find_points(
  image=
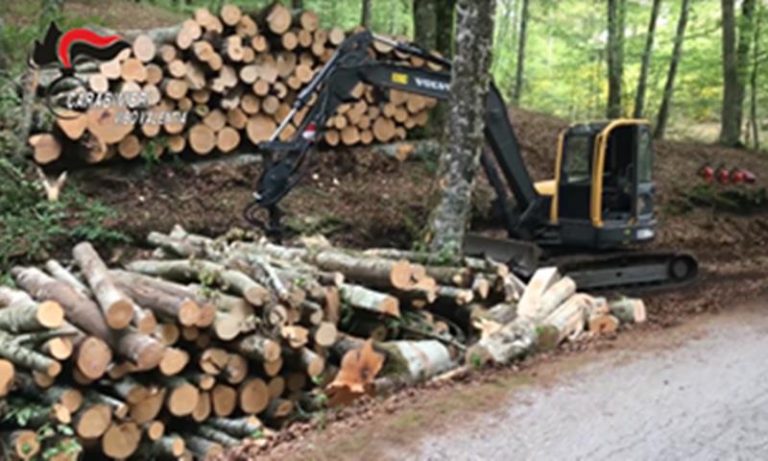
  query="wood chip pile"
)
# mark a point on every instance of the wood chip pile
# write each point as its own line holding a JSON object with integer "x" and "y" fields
{"x": 235, "y": 75}
{"x": 208, "y": 342}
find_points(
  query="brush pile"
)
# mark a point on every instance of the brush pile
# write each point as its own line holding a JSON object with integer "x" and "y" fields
{"x": 209, "y": 341}
{"x": 226, "y": 80}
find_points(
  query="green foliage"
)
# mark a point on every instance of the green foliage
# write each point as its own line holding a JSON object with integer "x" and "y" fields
{"x": 31, "y": 226}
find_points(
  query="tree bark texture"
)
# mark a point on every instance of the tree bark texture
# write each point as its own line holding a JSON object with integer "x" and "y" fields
{"x": 520, "y": 69}
{"x": 666, "y": 100}
{"x": 365, "y": 14}
{"x": 464, "y": 139}
{"x": 729, "y": 115}
{"x": 616, "y": 10}
{"x": 646, "y": 61}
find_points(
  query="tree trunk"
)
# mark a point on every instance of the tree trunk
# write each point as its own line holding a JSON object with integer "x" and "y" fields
{"x": 464, "y": 138}
{"x": 666, "y": 101}
{"x": 365, "y": 14}
{"x": 646, "y": 61}
{"x": 523, "y": 34}
{"x": 730, "y": 122}
{"x": 425, "y": 23}
{"x": 444, "y": 34}
{"x": 754, "y": 127}
{"x": 615, "y": 53}
{"x": 746, "y": 33}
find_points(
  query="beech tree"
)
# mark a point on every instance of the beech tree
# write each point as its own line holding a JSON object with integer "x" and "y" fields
{"x": 464, "y": 139}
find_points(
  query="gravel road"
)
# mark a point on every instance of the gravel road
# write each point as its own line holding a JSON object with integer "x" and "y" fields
{"x": 703, "y": 398}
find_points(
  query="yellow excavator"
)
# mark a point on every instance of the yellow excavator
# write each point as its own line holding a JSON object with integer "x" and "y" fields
{"x": 588, "y": 220}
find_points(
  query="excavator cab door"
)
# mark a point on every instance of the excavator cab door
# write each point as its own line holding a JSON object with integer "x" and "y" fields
{"x": 604, "y": 187}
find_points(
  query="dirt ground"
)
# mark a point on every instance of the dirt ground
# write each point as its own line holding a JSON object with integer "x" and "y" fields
{"x": 360, "y": 199}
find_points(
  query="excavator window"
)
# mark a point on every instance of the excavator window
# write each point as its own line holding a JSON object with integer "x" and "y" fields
{"x": 644, "y": 157}
{"x": 578, "y": 159}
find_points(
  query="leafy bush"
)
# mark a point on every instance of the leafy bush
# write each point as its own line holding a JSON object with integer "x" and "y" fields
{"x": 31, "y": 226}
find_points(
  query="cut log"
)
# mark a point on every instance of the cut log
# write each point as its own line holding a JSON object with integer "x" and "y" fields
{"x": 149, "y": 407}
{"x": 530, "y": 305}
{"x": 567, "y": 321}
{"x": 277, "y": 18}
{"x": 223, "y": 400}
{"x": 20, "y": 313}
{"x": 243, "y": 427}
{"x": 253, "y": 396}
{"x": 118, "y": 309}
{"x": 230, "y": 15}
{"x": 144, "y": 48}
{"x": 628, "y": 310}
{"x": 166, "y": 299}
{"x": 182, "y": 397}
{"x": 236, "y": 281}
{"x": 227, "y": 139}
{"x": 203, "y": 408}
{"x": 92, "y": 422}
{"x": 121, "y": 440}
{"x": 258, "y": 347}
{"x": 46, "y": 148}
{"x": 360, "y": 297}
{"x": 23, "y": 443}
{"x": 358, "y": 370}
{"x": 173, "y": 362}
{"x": 27, "y": 358}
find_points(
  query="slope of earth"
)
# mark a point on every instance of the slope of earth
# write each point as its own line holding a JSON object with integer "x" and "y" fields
{"x": 361, "y": 199}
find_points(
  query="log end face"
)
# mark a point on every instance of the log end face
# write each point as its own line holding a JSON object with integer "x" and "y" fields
{"x": 119, "y": 314}
{"x": 189, "y": 313}
{"x": 7, "y": 375}
{"x": 50, "y": 314}
{"x": 183, "y": 399}
{"x": 93, "y": 358}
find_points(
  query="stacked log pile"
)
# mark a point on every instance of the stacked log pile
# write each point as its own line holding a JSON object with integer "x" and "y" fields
{"x": 207, "y": 342}
{"x": 234, "y": 75}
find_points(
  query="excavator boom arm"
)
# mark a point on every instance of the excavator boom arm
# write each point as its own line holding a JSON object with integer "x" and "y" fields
{"x": 332, "y": 86}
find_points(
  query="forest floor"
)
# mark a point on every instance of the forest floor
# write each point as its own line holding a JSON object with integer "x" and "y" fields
{"x": 360, "y": 199}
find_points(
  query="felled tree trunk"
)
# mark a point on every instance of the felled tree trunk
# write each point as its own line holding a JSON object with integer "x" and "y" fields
{"x": 21, "y": 313}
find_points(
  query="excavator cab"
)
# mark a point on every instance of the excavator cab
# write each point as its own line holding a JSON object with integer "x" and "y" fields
{"x": 602, "y": 194}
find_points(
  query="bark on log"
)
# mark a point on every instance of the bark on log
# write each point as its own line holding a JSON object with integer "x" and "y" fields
{"x": 22, "y": 314}
{"x": 118, "y": 309}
